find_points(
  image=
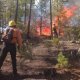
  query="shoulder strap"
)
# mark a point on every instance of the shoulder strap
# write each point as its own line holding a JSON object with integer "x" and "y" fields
{"x": 10, "y": 34}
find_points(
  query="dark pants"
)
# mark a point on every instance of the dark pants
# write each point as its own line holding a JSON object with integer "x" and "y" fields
{"x": 12, "y": 49}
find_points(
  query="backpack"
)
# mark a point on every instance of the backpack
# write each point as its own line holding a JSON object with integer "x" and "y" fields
{"x": 9, "y": 36}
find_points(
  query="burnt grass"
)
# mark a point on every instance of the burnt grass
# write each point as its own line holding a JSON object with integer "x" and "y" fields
{"x": 42, "y": 66}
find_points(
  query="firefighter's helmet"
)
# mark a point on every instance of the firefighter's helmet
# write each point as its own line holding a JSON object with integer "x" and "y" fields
{"x": 12, "y": 23}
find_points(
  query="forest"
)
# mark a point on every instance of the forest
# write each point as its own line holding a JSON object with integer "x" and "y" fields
{"x": 51, "y": 39}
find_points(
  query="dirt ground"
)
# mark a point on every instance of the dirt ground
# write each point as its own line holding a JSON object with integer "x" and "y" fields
{"x": 34, "y": 69}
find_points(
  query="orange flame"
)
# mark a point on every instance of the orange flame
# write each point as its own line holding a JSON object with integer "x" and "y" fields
{"x": 65, "y": 15}
{"x": 45, "y": 31}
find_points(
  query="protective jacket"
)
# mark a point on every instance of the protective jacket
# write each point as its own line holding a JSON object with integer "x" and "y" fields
{"x": 17, "y": 39}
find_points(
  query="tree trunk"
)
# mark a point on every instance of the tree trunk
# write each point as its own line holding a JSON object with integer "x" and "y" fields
{"x": 29, "y": 21}
{"x": 16, "y": 12}
{"x": 41, "y": 26}
{"x": 25, "y": 15}
{"x": 41, "y": 21}
{"x": 51, "y": 19}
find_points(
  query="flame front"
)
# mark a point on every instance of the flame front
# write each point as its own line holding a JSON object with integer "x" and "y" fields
{"x": 65, "y": 15}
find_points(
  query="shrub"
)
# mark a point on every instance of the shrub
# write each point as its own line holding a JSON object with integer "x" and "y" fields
{"x": 26, "y": 51}
{"x": 52, "y": 42}
{"x": 56, "y": 41}
{"x": 62, "y": 61}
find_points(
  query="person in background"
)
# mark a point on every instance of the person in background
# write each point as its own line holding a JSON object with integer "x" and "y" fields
{"x": 10, "y": 46}
{"x": 55, "y": 34}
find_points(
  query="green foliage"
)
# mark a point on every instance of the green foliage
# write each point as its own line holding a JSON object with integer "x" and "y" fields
{"x": 20, "y": 25}
{"x": 55, "y": 41}
{"x": 26, "y": 51}
{"x": 76, "y": 33}
{"x": 52, "y": 42}
{"x": 62, "y": 61}
{"x": 48, "y": 43}
{"x": 57, "y": 7}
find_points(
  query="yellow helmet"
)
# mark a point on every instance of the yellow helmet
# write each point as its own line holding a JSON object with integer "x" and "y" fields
{"x": 12, "y": 23}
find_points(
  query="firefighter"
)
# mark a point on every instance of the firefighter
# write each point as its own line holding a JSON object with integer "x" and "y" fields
{"x": 11, "y": 46}
{"x": 55, "y": 34}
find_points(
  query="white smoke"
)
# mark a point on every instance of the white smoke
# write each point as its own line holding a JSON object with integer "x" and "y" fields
{"x": 36, "y": 2}
{"x": 77, "y": 2}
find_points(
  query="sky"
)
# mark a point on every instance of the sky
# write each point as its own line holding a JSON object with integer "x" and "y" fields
{"x": 36, "y": 2}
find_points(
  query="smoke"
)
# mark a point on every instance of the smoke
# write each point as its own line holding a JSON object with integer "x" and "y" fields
{"x": 73, "y": 21}
{"x": 70, "y": 9}
{"x": 76, "y": 2}
{"x": 36, "y": 2}
{"x": 72, "y": 2}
